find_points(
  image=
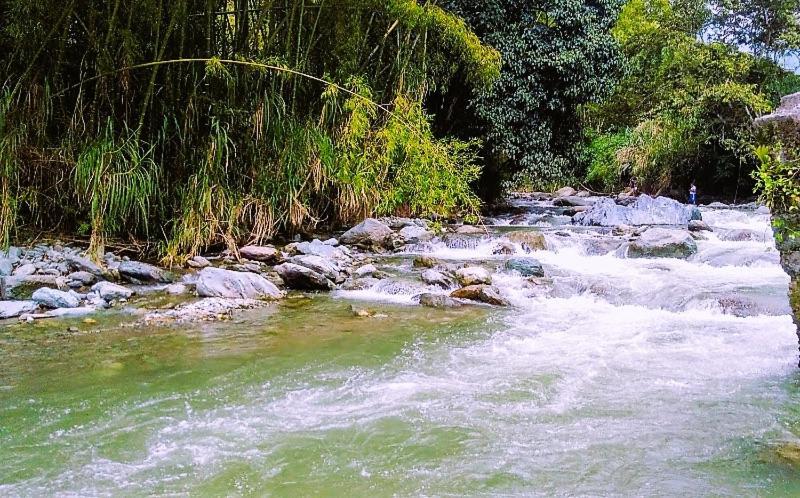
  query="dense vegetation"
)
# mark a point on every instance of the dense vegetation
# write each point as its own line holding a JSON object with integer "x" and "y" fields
{"x": 188, "y": 123}
{"x": 683, "y": 110}
{"x": 203, "y": 122}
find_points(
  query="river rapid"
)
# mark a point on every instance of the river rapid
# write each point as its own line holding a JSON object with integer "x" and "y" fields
{"x": 617, "y": 377}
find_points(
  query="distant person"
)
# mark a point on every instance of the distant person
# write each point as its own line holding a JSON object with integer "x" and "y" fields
{"x": 633, "y": 186}
{"x": 693, "y": 194}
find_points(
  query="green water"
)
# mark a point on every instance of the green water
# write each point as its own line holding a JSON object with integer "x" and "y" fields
{"x": 306, "y": 399}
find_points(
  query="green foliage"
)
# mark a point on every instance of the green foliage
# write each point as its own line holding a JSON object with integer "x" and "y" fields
{"x": 778, "y": 179}
{"x": 690, "y": 104}
{"x": 604, "y": 167}
{"x": 557, "y": 55}
{"x": 224, "y": 121}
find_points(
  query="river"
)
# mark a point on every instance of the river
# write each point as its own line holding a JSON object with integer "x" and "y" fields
{"x": 627, "y": 377}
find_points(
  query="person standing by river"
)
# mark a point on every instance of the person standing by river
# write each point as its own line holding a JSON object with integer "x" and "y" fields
{"x": 693, "y": 194}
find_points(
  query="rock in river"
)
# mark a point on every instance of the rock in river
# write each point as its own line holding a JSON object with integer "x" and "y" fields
{"x": 645, "y": 211}
{"x": 527, "y": 267}
{"x": 303, "y": 278}
{"x": 438, "y": 301}
{"x": 143, "y": 272}
{"x": 482, "y": 293}
{"x": 52, "y": 298}
{"x": 109, "y": 291}
{"x": 663, "y": 243}
{"x": 264, "y": 254}
{"x": 216, "y": 282}
{"x": 474, "y": 275}
{"x": 11, "y": 309}
{"x": 370, "y": 233}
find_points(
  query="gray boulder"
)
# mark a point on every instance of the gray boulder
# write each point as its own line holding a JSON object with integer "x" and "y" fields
{"x": 198, "y": 262}
{"x": 370, "y": 233}
{"x": 663, "y": 243}
{"x": 318, "y": 248}
{"x": 328, "y": 269}
{"x": 645, "y": 211}
{"x": 303, "y": 278}
{"x": 82, "y": 277}
{"x": 25, "y": 270}
{"x": 143, "y": 272}
{"x": 264, "y": 254}
{"x": 699, "y": 226}
{"x": 527, "y": 267}
{"x": 415, "y": 234}
{"x": 573, "y": 201}
{"x": 474, "y": 275}
{"x": 79, "y": 263}
{"x": 6, "y": 267}
{"x": 438, "y": 301}
{"x": 216, "y": 282}
{"x": 12, "y": 309}
{"x": 52, "y": 298}
{"x": 481, "y": 293}
{"x": 565, "y": 192}
{"x": 365, "y": 271}
{"x": 110, "y": 292}
{"x": 433, "y": 277}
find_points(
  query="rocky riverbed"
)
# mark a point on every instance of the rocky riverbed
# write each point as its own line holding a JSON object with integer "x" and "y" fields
{"x": 397, "y": 259}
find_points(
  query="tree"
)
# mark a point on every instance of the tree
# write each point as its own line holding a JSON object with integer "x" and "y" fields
{"x": 557, "y": 56}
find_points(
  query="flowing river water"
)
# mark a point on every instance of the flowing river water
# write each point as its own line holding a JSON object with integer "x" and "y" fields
{"x": 624, "y": 377}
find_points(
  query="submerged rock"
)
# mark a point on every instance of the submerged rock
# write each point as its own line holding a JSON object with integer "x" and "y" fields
{"x": 481, "y": 293}
{"x": 662, "y": 243}
{"x": 527, "y": 267}
{"x": 143, "y": 272}
{"x": 110, "y": 291}
{"x": 474, "y": 275}
{"x": 438, "y": 301}
{"x": 207, "y": 309}
{"x": 52, "y": 298}
{"x": 216, "y": 282}
{"x": 13, "y": 309}
{"x": 303, "y": 278}
{"x": 645, "y": 211}
{"x": 370, "y": 233}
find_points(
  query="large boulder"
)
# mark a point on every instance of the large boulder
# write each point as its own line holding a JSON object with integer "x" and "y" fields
{"x": 328, "y": 269}
{"x": 318, "y": 248}
{"x": 370, "y": 233}
{"x": 414, "y": 234}
{"x": 527, "y": 267}
{"x": 216, "y": 282}
{"x": 143, "y": 272}
{"x": 645, "y": 211}
{"x": 573, "y": 201}
{"x": 79, "y": 263}
{"x": 437, "y": 278}
{"x": 663, "y": 243}
{"x": 110, "y": 292}
{"x": 473, "y": 275}
{"x": 565, "y": 192}
{"x": 53, "y": 298}
{"x": 303, "y": 278}
{"x": 12, "y": 309}
{"x": 528, "y": 239}
{"x": 481, "y": 293}
{"x": 264, "y": 254}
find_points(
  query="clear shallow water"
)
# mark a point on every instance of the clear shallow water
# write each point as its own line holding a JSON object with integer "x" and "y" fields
{"x": 630, "y": 377}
